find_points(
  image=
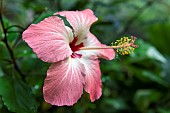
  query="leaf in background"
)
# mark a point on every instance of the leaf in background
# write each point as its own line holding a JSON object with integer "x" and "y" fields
{"x": 147, "y": 76}
{"x": 145, "y": 50}
{"x": 154, "y": 54}
{"x": 162, "y": 110}
{"x": 166, "y": 71}
{"x": 111, "y": 105}
{"x": 150, "y": 76}
{"x": 159, "y": 35}
{"x": 1, "y": 35}
{"x": 65, "y": 21}
{"x": 1, "y": 102}
{"x": 13, "y": 10}
{"x": 5, "y": 21}
{"x": 1, "y": 72}
{"x": 3, "y": 50}
{"x": 17, "y": 96}
{"x": 5, "y": 60}
{"x": 144, "y": 97}
{"x": 44, "y": 15}
{"x": 67, "y": 4}
{"x": 149, "y": 58}
{"x": 36, "y": 82}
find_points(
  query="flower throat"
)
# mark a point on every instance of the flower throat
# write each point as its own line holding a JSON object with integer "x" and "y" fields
{"x": 75, "y": 48}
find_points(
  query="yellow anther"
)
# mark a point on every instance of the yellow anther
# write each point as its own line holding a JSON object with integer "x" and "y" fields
{"x": 125, "y": 45}
{"x": 112, "y": 44}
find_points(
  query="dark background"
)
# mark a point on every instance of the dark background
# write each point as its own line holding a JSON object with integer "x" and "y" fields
{"x": 136, "y": 83}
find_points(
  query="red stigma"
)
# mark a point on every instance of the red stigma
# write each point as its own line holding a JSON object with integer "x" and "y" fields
{"x": 75, "y": 48}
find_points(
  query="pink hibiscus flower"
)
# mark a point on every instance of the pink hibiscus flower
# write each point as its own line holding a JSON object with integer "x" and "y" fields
{"x": 72, "y": 69}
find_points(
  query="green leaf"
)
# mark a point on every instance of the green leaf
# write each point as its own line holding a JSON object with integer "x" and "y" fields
{"x": 1, "y": 103}
{"x": 43, "y": 16}
{"x": 166, "y": 71}
{"x": 48, "y": 14}
{"x": 144, "y": 97}
{"x": 148, "y": 76}
{"x": 154, "y": 77}
{"x": 5, "y": 21}
{"x": 145, "y": 51}
{"x": 1, "y": 72}
{"x": 4, "y": 52}
{"x": 17, "y": 95}
{"x": 66, "y": 4}
{"x": 110, "y": 105}
{"x": 65, "y": 21}
{"x": 159, "y": 37}
{"x": 161, "y": 110}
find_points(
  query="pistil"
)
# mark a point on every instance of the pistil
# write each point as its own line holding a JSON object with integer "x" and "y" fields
{"x": 122, "y": 46}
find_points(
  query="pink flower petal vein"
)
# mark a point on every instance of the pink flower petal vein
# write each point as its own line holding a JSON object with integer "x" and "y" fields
{"x": 72, "y": 69}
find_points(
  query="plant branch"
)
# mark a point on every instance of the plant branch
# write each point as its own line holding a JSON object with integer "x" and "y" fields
{"x": 8, "y": 47}
{"x": 14, "y": 26}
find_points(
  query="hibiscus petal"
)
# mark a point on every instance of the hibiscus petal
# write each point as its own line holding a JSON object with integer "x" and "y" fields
{"x": 64, "y": 82}
{"x": 80, "y": 21}
{"x": 93, "y": 82}
{"x": 49, "y": 39}
{"x": 92, "y": 41}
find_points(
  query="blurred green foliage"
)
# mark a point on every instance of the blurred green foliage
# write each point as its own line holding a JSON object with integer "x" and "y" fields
{"x": 137, "y": 83}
